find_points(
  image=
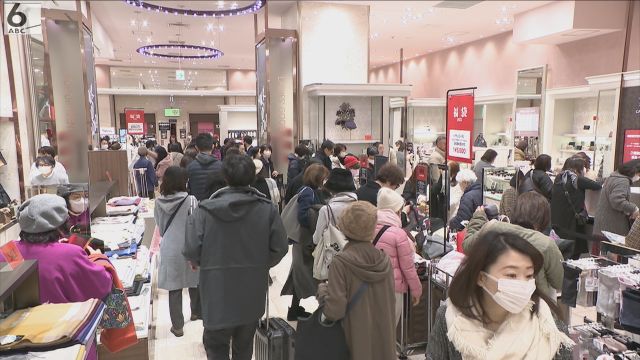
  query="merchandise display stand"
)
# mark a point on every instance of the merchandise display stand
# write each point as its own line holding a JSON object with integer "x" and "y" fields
{"x": 137, "y": 270}
{"x": 494, "y": 182}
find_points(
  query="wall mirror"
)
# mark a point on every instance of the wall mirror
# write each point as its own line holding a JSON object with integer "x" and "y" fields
{"x": 529, "y": 111}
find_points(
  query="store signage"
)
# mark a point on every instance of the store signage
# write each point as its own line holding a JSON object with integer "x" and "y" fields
{"x": 183, "y": 133}
{"x": 527, "y": 121}
{"x": 164, "y": 126}
{"x": 179, "y": 74}
{"x": 22, "y": 17}
{"x": 172, "y": 112}
{"x": 107, "y": 131}
{"x": 631, "y": 145}
{"x": 123, "y": 136}
{"x": 460, "y": 127}
{"x": 135, "y": 121}
{"x": 422, "y": 173}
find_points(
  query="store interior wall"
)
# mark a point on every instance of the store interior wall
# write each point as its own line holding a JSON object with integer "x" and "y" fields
{"x": 241, "y": 80}
{"x": 500, "y": 58}
{"x": 157, "y": 104}
{"x": 237, "y": 120}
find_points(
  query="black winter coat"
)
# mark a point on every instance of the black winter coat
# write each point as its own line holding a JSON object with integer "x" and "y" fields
{"x": 471, "y": 199}
{"x": 326, "y": 161}
{"x": 369, "y": 192}
{"x": 205, "y": 176}
{"x": 562, "y": 213}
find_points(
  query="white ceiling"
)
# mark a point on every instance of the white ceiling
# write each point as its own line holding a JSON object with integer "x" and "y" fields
{"x": 419, "y": 27}
{"x": 422, "y": 27}
{"x": 130, "y": 27}
{"x": 162, "y": 78}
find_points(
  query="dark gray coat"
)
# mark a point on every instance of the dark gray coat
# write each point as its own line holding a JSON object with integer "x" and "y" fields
{"x": 614, "y": 206}
{"x": 235, "y": 237}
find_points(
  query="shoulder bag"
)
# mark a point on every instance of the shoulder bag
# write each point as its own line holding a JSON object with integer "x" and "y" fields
{"x": 290, "y": 218}
{"x": 319, "y": 339}
{"x": 580, "y": 217}
{"x": 384, "y": 228}
{"x": 164, "y": 231}
{"x": 331, "y": 242}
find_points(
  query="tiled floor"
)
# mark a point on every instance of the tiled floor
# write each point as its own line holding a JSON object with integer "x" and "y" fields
{"x": 168, "y": 347}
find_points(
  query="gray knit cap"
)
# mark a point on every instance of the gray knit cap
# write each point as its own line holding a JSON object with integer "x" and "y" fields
{"x": 42, "y": 213}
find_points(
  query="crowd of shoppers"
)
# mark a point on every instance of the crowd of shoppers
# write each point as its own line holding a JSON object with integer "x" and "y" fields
{"x": 219, "y": 215}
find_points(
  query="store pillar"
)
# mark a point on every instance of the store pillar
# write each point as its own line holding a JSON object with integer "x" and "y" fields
{"x": 276, "y": 90}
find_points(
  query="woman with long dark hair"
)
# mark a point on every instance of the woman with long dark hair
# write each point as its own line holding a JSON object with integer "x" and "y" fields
{"x": 163, "y": 161}
{"x": 494, "y": 310}
{"x": 567, "y": 203}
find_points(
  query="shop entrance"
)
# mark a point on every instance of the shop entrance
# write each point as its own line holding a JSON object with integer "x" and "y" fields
{"x": 204, "y": 123}
{"x": 150, "y": 122}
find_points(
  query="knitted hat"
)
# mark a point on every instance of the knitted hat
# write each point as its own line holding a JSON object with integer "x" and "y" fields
{"x": 358, "y": 221}
{"x": 389, "y": 199}
{"x": 350, "y": 161}
{"x": 42, "y": 213}
{"x": 340, "y": 180}
{"x": 259, "y": 164}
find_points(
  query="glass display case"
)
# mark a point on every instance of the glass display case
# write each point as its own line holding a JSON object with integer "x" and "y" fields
{"x": 352, "y": 114}
{"x": 494, "y": 182}
{"x": 426, "y": 120}
{"x": 493, "y": 128}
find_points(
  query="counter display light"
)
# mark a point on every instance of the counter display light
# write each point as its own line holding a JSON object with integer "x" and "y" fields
{"x": 250, "y": 9}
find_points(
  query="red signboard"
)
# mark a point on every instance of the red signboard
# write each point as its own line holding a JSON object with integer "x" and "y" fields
{"x": 135, "y": 121}
{"x": 631, "y": 145}
{"x": 460, "y": 127}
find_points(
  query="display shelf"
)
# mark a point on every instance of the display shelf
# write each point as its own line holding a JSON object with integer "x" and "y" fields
{"x": 4, "y": 227}
{"x": 21, "y": 283}
{"x": 574, "y": 151}
{"x": 492, "y": 196}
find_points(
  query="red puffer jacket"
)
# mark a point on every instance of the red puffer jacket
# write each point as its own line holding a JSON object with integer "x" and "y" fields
{"x": 396, "y": 244}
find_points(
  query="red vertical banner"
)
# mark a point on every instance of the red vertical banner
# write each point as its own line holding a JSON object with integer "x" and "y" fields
{"x": 631, "y": 145}
{"x": 460, "y": 127}
{"x": 135, "y": 121}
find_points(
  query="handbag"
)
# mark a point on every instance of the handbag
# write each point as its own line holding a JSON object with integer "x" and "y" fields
{"x": 318, "y": 339}
{"x": 289, "y": 218}
{"x": 116, "y": 312}
{"x": 331, "y": 242}
{"x": 581, "y": 219}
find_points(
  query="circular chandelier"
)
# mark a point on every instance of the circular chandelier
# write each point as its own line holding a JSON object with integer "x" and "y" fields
{"x": 209, "y": 52}
{"x": 250, "y": 9}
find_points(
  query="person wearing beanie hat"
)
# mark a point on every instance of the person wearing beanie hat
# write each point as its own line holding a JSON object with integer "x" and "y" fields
{"x": 340, "y": 184}
{"x": 361, "y": 268}
{"x": 393, "y": 241}
{"x": 65, "y": 272}
{"x": 352, "y": 164}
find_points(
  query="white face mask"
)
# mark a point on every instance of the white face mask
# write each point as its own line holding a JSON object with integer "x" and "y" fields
{"x": 512, "y": 295}
{"x": 266, "y": 154}
{"x": 79, "y": 205}
{"x": 343, "y": 154}
{"x": 45, "y": 170}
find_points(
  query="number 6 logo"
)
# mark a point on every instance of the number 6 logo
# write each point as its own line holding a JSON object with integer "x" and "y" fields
{"x": 12, "y": 15}
{"x": 23, "y": 18}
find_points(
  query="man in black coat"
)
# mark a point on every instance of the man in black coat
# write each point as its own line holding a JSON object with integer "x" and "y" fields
{"x": 234, "y": 237}
{"x": 326, "y": 150}
{"x": 205, "y": 172}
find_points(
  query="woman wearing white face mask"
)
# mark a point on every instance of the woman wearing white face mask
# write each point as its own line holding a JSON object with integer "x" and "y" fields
{"x": 77, "y": 203}
{"x": 337, "y": 159}
{"x": 46, "y": 175}
{"x": 494, "y": 310}
{"x": 268, "y": 170}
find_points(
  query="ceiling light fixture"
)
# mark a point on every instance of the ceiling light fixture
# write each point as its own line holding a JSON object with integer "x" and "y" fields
{"x": 209, "y": 52}
{"x": 221, "y": 12}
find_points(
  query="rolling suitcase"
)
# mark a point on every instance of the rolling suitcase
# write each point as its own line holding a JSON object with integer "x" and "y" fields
{"x": 274, "y": 339}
